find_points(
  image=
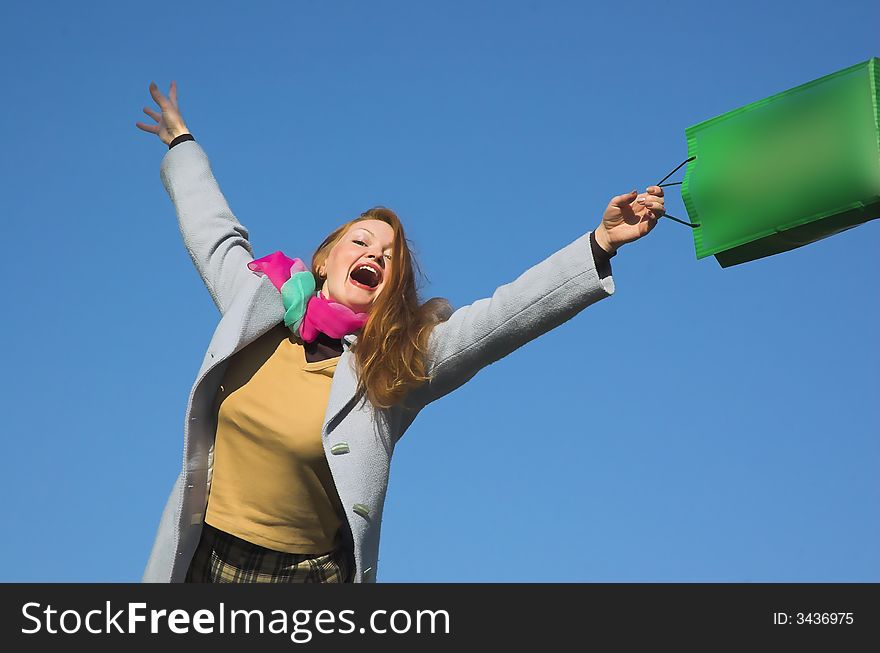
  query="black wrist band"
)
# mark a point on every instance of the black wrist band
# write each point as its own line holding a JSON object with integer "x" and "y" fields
{"x": 600, "y": 257}
{"x": 601, "y": 252}
{"x": 181, "y": 139}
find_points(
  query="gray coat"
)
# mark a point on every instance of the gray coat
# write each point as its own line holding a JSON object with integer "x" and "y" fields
{"x": 358, "y": 439}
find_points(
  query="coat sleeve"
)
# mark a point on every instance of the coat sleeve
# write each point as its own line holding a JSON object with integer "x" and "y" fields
{"x": 216, "y": 241}
{"x": 540, "y": 299}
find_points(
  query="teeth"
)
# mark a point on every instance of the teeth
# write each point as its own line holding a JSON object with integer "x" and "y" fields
{"x": 367, "y": 267}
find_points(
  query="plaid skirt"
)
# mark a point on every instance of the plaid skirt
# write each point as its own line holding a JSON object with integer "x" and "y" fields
{"x": 224, "y": 558}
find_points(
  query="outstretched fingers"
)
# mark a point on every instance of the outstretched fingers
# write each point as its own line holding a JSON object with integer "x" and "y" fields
{"x": 153, "y": 129}
{"x": 162, "y": 102}
{"x": 157, "y": 96}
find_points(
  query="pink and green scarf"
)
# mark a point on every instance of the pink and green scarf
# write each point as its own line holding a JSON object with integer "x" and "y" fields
{"x": 306, "y": 311}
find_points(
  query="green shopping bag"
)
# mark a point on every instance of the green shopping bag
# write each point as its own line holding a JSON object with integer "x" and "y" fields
{"x": 786, "y": 171}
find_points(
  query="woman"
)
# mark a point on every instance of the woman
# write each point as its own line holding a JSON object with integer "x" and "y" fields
{"x": 292, "y": 421}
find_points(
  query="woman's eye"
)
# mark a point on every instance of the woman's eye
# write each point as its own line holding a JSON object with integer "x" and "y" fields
{"x": 359, "y": 241}
{"x": 388, "y": 257}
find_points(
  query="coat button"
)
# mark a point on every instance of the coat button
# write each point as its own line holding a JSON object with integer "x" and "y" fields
{"x": 361, "y": 509}
{"x": 341, "y": 447}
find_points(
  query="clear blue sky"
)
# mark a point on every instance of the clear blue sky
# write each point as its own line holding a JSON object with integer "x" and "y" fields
{"x": 703, "y": 424}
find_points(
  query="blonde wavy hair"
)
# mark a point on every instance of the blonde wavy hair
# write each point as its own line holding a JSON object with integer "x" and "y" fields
{"x": 390, "y": 350}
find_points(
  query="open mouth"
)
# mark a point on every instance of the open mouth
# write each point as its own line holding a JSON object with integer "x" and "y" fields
{"x": 365, "y": 277}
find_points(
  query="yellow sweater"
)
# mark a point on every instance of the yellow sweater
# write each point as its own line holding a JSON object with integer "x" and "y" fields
{"x": 272, "y": 485}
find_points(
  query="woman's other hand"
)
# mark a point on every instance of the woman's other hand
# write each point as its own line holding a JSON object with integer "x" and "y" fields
{"x": 629, "y": 217}
{"x": 170, "y": 124}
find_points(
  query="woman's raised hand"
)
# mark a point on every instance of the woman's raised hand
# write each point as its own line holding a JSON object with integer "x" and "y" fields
{"x": 170, "y": 124}
{"x": 629, "y": 217}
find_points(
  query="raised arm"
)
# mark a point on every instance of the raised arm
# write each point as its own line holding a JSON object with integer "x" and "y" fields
{"x": 215, "y": 240}
{"x": 543, "y": 297}
{"x": 540, "y": 299}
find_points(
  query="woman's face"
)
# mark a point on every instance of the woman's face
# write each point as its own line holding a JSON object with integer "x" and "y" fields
{"x": 366, "y": 243}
